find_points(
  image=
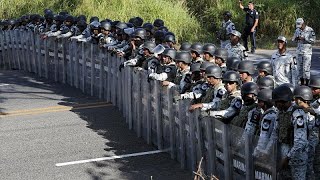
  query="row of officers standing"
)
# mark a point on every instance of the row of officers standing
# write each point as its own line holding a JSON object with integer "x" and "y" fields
{"x": 266, "y": 100}
{"x": 277, "y": 100}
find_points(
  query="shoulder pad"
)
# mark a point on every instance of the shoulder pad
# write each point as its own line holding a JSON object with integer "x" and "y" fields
{"x": 167, "y": 69}
{"x": 317, "y": 122}
{"x": 237, "y": 104}
{"x": 266, "y": 124}
{"x": 221, "y": 92}
{"x": 204, "y": 86}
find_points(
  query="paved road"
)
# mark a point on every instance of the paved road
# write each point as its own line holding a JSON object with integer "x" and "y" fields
{"x": 43, "y": 123}
{"x": 262, "y": 54}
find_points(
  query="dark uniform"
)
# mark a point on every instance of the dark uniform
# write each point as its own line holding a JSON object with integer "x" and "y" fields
{"x": 251, "y": 16}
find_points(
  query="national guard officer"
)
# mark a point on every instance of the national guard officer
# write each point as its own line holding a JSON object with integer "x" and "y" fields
{"x": 196, "y": 52}
{"x": 303, "y": 97}
{"x": 221, "y": 56}
{"x": 168, "y": 69}
{"x": 170, "y": 40}
{"x": 282, "y": 96}
{"x": 233, "y": 63}
{"x": 235, "y": 49}
{"x": 225, "y": 30}
{"x": 246, "y": 70}
{"x": 252, "y": 19}
{"x": 264, "y": 69}
{"x": 68, "y": 29}
{"x": 268, "y": 121}
{"x": 185, "y": 46}
{"x": 266, "y": 83}
{"x": 249, "y": 110}
{"x": 137, "y": 43}
{"x": 148, "y": 61}
{"x": 95, "y": 33}
{"x": 183, "y": 76}
{"x": 305, "y": 37}
{"x": 231, "y": 105}
{"x": 208, "y": 52}
{"x": 283, "y": 64}
{"x": 315, "y": 105}
{"x": 217, "y": 91}
{"x": 199, "y": 89}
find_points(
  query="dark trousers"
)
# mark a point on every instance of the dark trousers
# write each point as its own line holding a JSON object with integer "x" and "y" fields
{"x": 245, "y": 36}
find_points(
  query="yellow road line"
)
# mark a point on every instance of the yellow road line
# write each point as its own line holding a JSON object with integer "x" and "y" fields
{"x": 52, "y": 107}
{"x": 65, "y": 108}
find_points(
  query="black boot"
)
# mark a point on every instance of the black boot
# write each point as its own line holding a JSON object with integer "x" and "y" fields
{"x": 307, "y": 82}
{"x": 301, "y": 81}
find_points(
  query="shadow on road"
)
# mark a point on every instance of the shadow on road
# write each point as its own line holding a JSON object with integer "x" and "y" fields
{"x": 107, "y": 122}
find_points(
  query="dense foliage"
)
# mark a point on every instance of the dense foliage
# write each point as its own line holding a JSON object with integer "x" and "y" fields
{"x": 192, "y": 20}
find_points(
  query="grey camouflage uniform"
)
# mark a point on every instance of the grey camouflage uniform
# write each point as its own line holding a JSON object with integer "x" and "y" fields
{"x": 237, "y": 50}
{"x": 230, "y": 106}
{"x": 298, "y": 154}
{"x": 284, "y": 68}
{"x": 267, "y": 138}
{"x": 304, "y": 50}
{"x": 218, "y": 94}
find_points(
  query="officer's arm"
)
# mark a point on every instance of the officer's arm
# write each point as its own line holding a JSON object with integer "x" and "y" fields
{"x": 300, "y": 141}
{"x": 311, "y": 38}
{"x": 66, "y": 35}
{"x": 271, "y": 134}
{"x": 240, "y": 4}
{"x": 215, "y": 103}
{"x": 54, "y": 34}
{"x": 316, "y": 106}
{"x": 131, "y": 62}
{"x": 159, "y": 77}
{"x": 234, "y": 109}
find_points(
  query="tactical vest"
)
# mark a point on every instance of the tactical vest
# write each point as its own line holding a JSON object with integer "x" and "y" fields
{"x": 225, "y": 103}
{"x": 285, "y": 127}
{"x": 208, "y": 95}
{"x": 242, "y": 118}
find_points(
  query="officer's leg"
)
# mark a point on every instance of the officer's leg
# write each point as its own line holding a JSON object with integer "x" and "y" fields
{"x": 245, "y": 38}
{"x": 316, "y": 162}
{"x": 310, "y": 171}
{"x": 300, "y": 68}
{"x": 253, "y": 41}
{"x": 306, "y": 68}
{"x": 298, "y": 172}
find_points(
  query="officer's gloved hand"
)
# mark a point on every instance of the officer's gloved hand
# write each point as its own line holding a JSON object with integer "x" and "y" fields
{"x": 121, "y": 66}
{"x": 136, "y": 69}
{"x": 151, "y": 76}
{"x": 176, "y": 98}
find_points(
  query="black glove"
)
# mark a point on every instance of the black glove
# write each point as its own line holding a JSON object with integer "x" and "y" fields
{"x": 121, "y": 66}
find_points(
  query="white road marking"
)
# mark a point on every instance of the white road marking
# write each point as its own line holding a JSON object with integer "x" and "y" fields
{"x": 111, "y": 158}
{"x": 4, "y": 85}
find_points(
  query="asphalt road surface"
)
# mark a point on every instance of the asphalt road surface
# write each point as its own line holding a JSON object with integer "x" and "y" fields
{"x": 43, "y": 124}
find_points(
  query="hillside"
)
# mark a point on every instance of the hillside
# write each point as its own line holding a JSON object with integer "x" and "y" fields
{"x": 190, "y": 20}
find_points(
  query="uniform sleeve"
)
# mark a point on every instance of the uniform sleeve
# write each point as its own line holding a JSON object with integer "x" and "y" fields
{"x": 246, "y": 9}
{"x": 215, "y": 103}
{"x": 131, "y": 62}
{"x": 231, "y": 111}
{"x": 311, "y": 38}
{"x": 267, "y": 137}
{"x": 159, "y": 77}
{"x": 256, "y": 15}
{"x": 316, "y": 106}
{"x": 300, "y": 140}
